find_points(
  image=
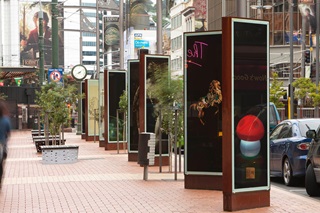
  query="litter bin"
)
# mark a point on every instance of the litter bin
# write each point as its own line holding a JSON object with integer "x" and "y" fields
{"x": 146, "y": 148}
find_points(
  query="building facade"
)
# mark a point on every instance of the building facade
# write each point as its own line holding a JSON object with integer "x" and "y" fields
{"x": 277, "y": 12}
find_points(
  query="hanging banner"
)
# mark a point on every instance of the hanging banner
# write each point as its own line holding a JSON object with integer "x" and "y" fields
{"x": 29, "y": 41}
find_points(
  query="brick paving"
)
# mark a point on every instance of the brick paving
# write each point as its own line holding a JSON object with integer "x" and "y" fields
{"x": 104, "y": 181}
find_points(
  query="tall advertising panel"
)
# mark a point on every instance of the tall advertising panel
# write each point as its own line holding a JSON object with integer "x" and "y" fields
{"x": 148, "y": 115}
{"x": 203, "y": 98}
{"x": 250, "y": 108}
{"x": 133, "y": 106}
{"x": 92, "y": 107}
{"x": 246, "y": 181}
{"x": 203, "y": 102}
{"x": 116, "y": 84}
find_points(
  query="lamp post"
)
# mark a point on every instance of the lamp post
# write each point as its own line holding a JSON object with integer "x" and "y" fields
{"x": 260, "y": 7}
{"x": 317, "y": 52}
{"x": 41, "y": 44}
{"x": 290, "y": 116}
{"x": 55, "y": 35}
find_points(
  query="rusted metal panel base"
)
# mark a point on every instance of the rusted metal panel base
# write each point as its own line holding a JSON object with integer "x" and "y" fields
{"x": 102, "y": 143}
{"x": 133, "y": 157}
{"x": 246, "y": 200}
{"x": 203, "y": 182}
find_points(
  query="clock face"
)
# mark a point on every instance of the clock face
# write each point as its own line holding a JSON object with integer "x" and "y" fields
{"x": 79, "y": 72}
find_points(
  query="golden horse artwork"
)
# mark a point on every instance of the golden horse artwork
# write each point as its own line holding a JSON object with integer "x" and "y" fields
{"x": 212, "y": 99}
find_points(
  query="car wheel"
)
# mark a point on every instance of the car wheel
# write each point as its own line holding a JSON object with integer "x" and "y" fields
{"x": 312, "y": 187}
{"x": 287, "y": 172}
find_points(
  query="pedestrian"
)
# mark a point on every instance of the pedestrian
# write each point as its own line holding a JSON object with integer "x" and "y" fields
{"x": 5, "y": 129}
{"x": 312, "y": 21}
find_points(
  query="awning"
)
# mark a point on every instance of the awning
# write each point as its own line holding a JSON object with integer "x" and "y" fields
{"x": 12, "y": 72}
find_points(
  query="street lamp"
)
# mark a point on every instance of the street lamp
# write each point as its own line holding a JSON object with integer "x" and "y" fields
{"x": 260, "y": 8}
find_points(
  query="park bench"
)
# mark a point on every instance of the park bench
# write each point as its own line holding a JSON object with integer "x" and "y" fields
{"x": 42, "y": 142}
{"x": 44, "y": 137}
{"x": 35, "y": 132}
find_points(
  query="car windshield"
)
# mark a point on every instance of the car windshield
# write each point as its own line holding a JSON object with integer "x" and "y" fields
{"x": 313, "y": 124}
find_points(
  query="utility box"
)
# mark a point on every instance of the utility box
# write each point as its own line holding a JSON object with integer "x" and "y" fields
{"x": 146, "y": 148}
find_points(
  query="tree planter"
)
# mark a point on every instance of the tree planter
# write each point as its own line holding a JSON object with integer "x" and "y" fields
{"x": 59, "y": 154}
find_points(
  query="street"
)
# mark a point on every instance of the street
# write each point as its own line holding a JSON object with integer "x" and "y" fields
{"x": 297, "y": 189}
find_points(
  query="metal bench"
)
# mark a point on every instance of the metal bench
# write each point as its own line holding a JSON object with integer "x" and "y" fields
{"x": 42, "y": 142}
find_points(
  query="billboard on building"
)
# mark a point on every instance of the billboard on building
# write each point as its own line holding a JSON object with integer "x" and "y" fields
{"x": 29, "y": 37}
{"x": 308, "y": 12}
{"x": 111, "y": 41}
{"x": 201, "y": 19}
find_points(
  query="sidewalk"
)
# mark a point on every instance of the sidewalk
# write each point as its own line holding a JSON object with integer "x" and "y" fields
{"x": 104, "y": 181}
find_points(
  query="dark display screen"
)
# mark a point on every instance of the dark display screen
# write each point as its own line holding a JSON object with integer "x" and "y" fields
{"x": 250, "y": 89}
{"x": 117, "y": 84}
{"x": 152, "y": 65}
{"x": 203, "y": 102}
{"x": 133, "y": 105}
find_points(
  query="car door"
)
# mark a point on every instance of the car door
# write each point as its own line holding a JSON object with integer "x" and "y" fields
{"x": 316, "y": 154}
{"x": 278, "y": 146}
{"x": 273, "y": 139}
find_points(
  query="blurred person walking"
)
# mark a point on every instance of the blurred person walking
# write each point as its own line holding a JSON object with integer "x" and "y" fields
{"x": 5, "y": 129}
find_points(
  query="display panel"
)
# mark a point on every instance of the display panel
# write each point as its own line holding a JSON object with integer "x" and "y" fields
{"x": 93, "y": 107}
{"x": 250, "y": 105}
{"x": 153, "y": 64}
{"x": 101, "y": 106}
{"x": 116, "y": 87}
{"x": 203, "y": 98}
{"x": 133, "y": 105}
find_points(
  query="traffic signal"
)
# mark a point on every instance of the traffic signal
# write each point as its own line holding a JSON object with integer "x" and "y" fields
{"x": 307, "y": 56}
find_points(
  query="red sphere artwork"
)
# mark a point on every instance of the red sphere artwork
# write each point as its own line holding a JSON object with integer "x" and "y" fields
{"x": 250, "y": 128}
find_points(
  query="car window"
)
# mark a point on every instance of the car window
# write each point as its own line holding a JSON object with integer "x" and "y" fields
{"x": 286, "y": 132}
{"x": 312, "y": 124}
{"x": 272, "y": 116}
{"x": 318, "y": 133}
{"x": 275, "y": 133}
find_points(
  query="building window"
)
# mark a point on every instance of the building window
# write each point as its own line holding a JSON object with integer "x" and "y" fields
{"x": 89, "y": 34}
{"x": 89, "y": 43}
{"x": 88, "y": 53}
{"x": 176, "y": 64}
{"x": 176, "y": 43}
{"x": 176, "y": 21}
{"x": 88, "y": 62}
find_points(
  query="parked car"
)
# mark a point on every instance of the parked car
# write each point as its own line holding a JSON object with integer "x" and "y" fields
{"x": 274, "y": 117}
{"x": 289, "y": 148}
{"x": 312, "y": 180}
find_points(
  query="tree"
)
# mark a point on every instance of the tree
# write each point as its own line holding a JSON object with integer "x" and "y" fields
{"x": 168, "y": 92}
{"x": 53, "y": 100}
{"x": 276, "y": 92}
{"x": 304, "y": 88}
